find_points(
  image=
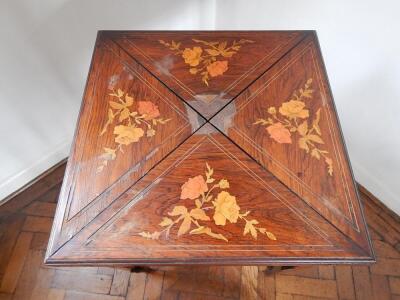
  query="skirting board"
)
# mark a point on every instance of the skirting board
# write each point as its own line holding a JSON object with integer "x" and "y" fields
{"x": 14, "y": 184}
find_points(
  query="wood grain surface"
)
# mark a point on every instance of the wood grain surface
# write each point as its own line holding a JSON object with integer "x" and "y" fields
{"x": 208, "y": 148}
{"x": 23, "y": 275}
{"x": 243, "y": 66}
{"x": 333, "y": 195}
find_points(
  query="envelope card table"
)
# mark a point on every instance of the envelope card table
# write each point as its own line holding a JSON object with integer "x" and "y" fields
{"x": 208, "y": 147}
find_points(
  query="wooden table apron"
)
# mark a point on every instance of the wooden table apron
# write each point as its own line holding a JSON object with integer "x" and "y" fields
{"x": 208, "y": 147}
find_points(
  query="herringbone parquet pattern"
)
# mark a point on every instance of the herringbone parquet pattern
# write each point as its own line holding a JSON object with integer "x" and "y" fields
{"x": 24, "y": 230}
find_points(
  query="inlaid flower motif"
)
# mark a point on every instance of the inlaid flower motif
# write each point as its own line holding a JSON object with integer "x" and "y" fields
{"x": 217, "y": 68}
{"x": 126, "y": 135}
{"x": 192, "y": 56}
{"x": 223, "y": 184}
{"x": 191, "y": 219}
{"x": 109, "y": 154}
{"x": 294, "y": 109}
{"x": 293, "y": 120}
{"x": 130, "y": 125}
{"x": 148, "y": 109}
{"x": 193, "y": 188}
{"x": 208, "y": 60}
{"x": 226, "y": 208}
{"x": 279, "y": 133}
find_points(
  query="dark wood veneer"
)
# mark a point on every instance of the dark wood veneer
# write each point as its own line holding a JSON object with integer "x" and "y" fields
{"x": 132, "y": 158}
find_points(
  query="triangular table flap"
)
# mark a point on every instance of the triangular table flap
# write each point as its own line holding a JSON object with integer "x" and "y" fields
{"x": 207, "y": 69}
{"x": 128, "y": 122}
{"x": 287, "y": 121}
{"x": 208, "y": 202}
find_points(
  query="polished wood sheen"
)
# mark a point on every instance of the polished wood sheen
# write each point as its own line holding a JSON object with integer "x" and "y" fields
{"x": 25, "y": 223}
{"x": 208, "y": 148}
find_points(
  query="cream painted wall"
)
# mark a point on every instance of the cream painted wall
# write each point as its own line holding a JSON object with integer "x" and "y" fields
{"x": 45, "y": 53}
{"x": 360, "y": 41}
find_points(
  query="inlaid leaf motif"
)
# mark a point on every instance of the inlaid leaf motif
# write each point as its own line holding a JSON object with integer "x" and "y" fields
{"x": 124, "y": 114}
{"x": 152, "y": 236}
{"x": 315, "y": 123}
{"x": 303, "y": 128}
{"x": 293, "y": 118}
{"x": 303, "y": 144}
{"x": 249, "y": 227}
{"x": 197, "y": 202}
{"x": 209, "y": 174}
{"x": 166, "y": 222}
{"x": 270, "y": 235}
{"x": 207, "y": 230}
{"x": 206, "y": 58}
{"x": 224, "y": 209}
{"x": 128, "y": 100}
{"x": 178, "y": 211}
{"x": 110, "y": 153}
{"x": 315, "y": 138}
{"x": 131, "y": 126}
{"x": 185, "y": 225}
{"x": 315, "y": 153}
{"x": 199, "y": 214}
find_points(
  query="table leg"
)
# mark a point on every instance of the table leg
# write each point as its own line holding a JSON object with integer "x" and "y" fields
{"x": 141, "y": 269}
{"x": 276, "y": 269}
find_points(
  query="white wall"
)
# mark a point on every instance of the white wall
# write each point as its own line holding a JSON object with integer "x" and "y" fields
{"x": 45, "y": 51}
{"x": 46, "y": 46}
{"x": 360, "y": 41}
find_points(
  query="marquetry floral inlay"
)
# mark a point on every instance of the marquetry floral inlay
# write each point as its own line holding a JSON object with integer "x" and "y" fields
{"x": 208, "y": 59}
{"x": 211, "y": 203}
{"x": 293, "y": 118}
{"x": 130, "y": 120}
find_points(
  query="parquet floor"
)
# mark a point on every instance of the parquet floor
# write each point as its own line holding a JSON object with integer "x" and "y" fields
{"x": 24, "y": 229}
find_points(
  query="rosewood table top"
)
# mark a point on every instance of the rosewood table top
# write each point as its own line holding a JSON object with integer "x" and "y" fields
{"x": 208, "y": 147}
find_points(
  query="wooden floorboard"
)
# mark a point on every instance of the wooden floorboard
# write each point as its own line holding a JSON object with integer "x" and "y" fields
{"x": 24, "y": 231}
